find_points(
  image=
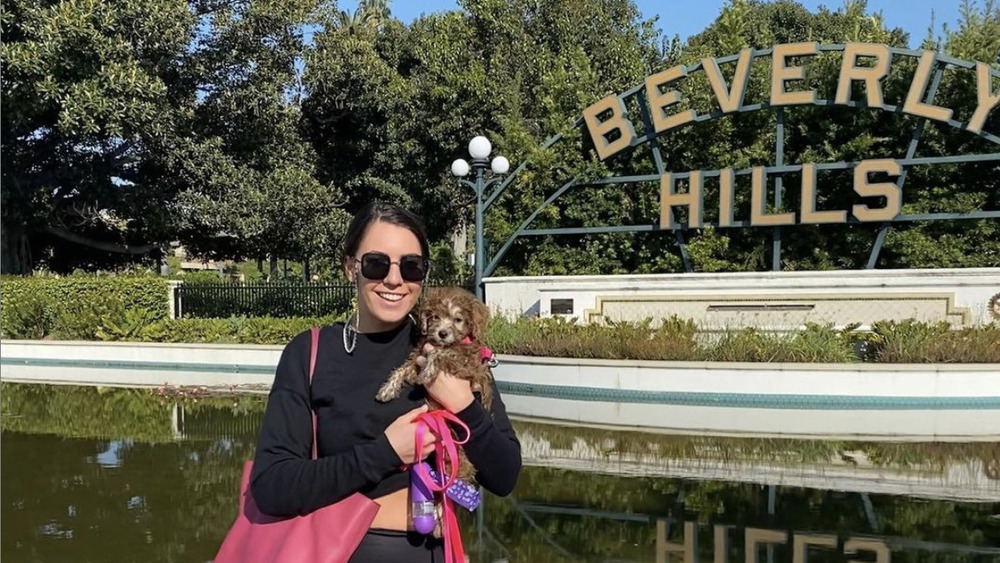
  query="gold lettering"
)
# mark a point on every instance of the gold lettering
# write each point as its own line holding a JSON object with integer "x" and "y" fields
{"x": 730, "y": 98}
{"x": 664, "y": 548}
{"x": 759, "y": 216}
{"x": 986, "y": 100}
{"x": 755, "y": 536}
{"x": 801, "y": 543}
{"x": 670, "y": 198}
{"x": 809, "y": 214}
{"x": 781, "y": 73}
{"x": 727, "y": 185}
{"x": 872, "y": 76}
{"x": 914, "y": 104}
{"x": 600, "y": 130}
{"x": 660, "y": 101}
{"x": 889, "y": 190}
{"x": 882, "y": 553}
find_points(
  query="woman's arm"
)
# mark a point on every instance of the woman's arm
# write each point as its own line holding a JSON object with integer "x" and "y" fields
{"x": 285, "y": 480}
{"x": 493, "y": 447}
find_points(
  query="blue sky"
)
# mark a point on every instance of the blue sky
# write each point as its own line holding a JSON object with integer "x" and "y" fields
{"x": 687, "y": 17}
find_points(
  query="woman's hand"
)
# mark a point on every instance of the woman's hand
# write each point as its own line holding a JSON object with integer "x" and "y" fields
{"x": 400, "y": 434}
{"x": 452, "y": 393}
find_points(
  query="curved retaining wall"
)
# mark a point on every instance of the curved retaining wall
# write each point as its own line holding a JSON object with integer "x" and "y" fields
{"x": 869, "y": 401}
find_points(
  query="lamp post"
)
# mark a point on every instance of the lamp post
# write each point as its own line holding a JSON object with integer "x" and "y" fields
{"x": 479, "y": 150}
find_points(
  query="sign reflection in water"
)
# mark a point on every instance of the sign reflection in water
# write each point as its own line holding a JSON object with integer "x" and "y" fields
{"x": 126, "y": 475}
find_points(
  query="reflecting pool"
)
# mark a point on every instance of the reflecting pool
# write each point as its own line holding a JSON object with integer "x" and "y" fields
{"x": 98, "y": 474}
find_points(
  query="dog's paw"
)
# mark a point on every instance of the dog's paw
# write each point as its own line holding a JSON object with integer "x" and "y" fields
{"x": 426, "y": 374}
{"x": 386, "y": 393}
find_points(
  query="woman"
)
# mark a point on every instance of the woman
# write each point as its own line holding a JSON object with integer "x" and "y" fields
{"x": 362, "y": 443}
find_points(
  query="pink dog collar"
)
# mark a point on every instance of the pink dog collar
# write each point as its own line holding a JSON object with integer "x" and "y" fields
{"x": 485, "y": 354}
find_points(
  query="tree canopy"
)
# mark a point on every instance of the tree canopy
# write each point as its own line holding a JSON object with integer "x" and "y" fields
{"x": 255, "y": 128}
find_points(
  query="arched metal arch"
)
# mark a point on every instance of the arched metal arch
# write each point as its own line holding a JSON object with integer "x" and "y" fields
{"x": 940, "y": 64}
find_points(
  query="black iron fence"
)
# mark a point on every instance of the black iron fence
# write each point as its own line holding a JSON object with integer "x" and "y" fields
{"x": 265, "y": 299}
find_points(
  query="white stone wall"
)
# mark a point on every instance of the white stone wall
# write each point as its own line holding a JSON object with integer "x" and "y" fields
{"x": 772, "y": 300}
{"x": 842, "y": 401}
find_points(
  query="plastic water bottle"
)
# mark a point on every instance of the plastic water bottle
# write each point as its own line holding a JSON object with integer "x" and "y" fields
{"x": 421, "y": 503}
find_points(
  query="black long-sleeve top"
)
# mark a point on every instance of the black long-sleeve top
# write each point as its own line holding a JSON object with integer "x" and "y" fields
{"x": 354, "y": 455}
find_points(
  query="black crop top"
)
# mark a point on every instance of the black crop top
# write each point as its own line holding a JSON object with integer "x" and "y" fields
{"x": 354, "y": 455}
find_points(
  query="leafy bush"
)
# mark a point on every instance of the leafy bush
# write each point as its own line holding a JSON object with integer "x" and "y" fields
{"x": 816, "y": 343}
{"x": 30, "y": 316}
{"x": 136, "y": 309}
{"x": 672, "y": 340}
{"x": 236, "y": 330}
{"x": 77, "y": 307}
{"x": 912, "y": 342}
{"x": 678, "y": 340}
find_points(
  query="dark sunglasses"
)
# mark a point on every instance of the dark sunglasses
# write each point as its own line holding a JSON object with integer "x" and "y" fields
{"x": 375, "y": 266}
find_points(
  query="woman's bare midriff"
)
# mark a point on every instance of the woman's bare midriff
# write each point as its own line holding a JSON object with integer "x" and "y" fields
{"x": 393, "y": 512}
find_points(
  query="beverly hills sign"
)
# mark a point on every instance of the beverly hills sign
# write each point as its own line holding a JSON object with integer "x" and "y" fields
{"x": 611, "y": 130}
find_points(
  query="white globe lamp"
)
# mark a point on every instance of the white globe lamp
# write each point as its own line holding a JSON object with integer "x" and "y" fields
{"x": 500, "y": 165}
{"x": 460, "y": 168}
{"x": 480, "y": 147}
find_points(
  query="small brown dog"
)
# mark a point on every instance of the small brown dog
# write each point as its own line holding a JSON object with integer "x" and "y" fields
{"x": 454, "y": 322}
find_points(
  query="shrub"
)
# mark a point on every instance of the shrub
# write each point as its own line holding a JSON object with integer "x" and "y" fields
{"x": 77, "y": 307}
{"x": 236, "y": 330}
{"x": 912, "y": 342}
{"x": 678, "y": 340}
{"x": 674, "y": 339}
{"x": 816, "y": 343}
{"x": 30, "y": 316}
{"x": 136, "y": 309}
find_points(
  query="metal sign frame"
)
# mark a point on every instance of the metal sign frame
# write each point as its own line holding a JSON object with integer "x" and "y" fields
{"x": 930, "y": 63}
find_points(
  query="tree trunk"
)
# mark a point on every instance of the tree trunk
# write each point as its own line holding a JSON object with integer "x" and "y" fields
{"x": 15, "y": 252}
{"x": 460, "y": 243}
{"x": 273, "y": 270}
{"x": 305, "y": 270}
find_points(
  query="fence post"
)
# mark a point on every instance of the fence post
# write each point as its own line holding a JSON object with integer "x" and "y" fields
{"x": 174, "y": 298}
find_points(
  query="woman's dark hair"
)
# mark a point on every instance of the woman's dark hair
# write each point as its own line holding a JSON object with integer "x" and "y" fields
{"x": 386, "y": 213}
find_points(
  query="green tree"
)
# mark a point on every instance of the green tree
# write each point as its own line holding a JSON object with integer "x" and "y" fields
{"x": 91, "y": 93}
{"x": 129, "y": 125}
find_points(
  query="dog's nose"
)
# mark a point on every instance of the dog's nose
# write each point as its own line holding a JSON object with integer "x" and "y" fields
{"x": 442, "y": 334}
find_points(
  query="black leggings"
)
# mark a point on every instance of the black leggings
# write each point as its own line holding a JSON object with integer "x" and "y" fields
{"x": 391, "y": 546}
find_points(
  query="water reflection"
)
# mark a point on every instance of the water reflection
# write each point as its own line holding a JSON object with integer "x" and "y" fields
{"x": 127, "y": 475}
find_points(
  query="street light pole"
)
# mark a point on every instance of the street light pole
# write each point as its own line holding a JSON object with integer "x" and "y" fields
{"x": 479, "y": 149}
{"x": 480, "y": 246}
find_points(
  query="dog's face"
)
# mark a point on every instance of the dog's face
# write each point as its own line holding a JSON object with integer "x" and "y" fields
{"x": 450, "y": 314}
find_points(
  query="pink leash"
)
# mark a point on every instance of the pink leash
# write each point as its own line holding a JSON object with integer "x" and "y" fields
{"x": 437, "y": 423}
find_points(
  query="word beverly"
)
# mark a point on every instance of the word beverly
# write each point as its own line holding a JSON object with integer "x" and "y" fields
{"x": 730, "y": 98}
{"x": 611, "y": 131}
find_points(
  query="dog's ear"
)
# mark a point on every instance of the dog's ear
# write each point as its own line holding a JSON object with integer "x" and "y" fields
{"x": 480, "y": 318}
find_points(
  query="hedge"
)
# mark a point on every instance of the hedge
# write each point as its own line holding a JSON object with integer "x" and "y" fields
{"x": 903, "y": 342}
{"x": 136, "y": 309}
{"x": 236, "y": 330}
{"x": 79, "y": 306}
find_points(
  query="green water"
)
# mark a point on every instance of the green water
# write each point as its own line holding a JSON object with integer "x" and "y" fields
{"x": 128, "y": 475}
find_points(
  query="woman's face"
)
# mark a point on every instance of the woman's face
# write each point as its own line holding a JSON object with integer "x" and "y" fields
{"x": 384, "y": 302}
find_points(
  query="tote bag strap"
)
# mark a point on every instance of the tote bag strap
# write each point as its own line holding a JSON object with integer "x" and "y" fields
{"x": 312, "y": 369}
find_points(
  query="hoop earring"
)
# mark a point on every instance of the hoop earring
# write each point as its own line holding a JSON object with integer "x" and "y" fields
{"x": 416, "y": 307}
{"x": 351, "y": 332}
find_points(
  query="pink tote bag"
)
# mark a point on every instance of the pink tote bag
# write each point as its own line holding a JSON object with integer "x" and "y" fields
{"x": 326, "y": 535}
